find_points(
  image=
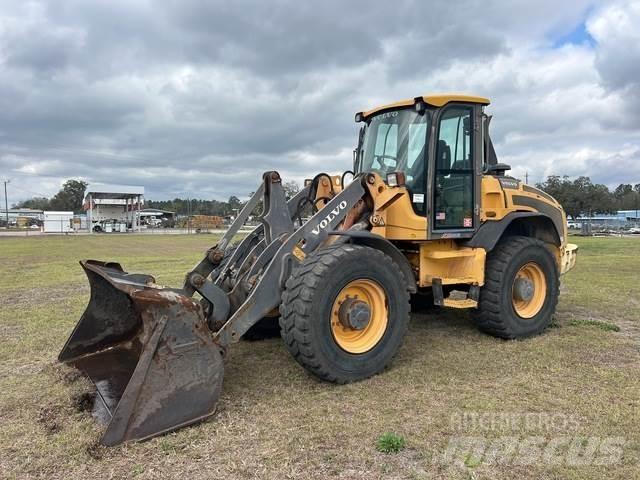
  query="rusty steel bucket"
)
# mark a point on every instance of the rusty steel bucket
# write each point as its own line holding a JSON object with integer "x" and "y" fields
{"x": 149, "y": 352}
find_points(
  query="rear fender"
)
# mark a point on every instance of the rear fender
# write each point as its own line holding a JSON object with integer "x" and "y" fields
{"x": 529, "y": 224}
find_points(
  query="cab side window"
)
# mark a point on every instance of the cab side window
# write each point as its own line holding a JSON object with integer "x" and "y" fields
{"x": 453, "y": 205}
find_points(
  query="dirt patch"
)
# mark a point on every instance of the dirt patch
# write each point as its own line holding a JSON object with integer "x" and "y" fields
{"x": 83, "y": 402}
{"x": 71, "y": 376}
{"x": 95, "y": 450}
{"x": 63, "y": 373}
{"x": 47, "y": 417}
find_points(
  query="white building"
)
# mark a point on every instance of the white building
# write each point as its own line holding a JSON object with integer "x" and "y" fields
{"x": 113, "y": 208}
{"x": 58, "y": 222}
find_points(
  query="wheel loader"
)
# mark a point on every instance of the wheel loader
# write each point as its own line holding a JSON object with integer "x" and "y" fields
{"x": 426, "y": 208}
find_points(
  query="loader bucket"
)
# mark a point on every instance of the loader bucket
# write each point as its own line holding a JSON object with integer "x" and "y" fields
{"x": 149, "y": 352}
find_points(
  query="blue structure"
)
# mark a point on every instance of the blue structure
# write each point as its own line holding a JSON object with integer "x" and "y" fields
{"x": 619, "y": 219}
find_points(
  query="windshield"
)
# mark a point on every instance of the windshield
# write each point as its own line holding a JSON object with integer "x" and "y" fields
{"x": 397, "y": 141}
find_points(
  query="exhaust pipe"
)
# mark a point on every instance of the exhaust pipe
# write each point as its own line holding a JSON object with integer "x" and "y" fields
{"x": 149, "y": 352}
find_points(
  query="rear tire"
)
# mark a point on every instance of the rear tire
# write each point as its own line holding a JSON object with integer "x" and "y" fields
{"x": 502, "y": 312}
{"x": 316, "y": 291}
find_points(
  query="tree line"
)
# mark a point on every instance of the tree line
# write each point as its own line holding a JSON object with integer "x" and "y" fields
{"x": 196, "y": 206}
{"x": 579, "y": 197}
{"x": 71, "y": 196}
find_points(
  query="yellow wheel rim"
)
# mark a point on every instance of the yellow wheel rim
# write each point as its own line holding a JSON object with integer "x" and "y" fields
{"x": 360, "y": 341}
{"x": 531, "y": 304}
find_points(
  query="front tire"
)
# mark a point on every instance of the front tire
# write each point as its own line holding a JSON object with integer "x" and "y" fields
{"x": 521, "y": 289}
{"x": 345, "y": 312}
{"x": 267, "y": 327}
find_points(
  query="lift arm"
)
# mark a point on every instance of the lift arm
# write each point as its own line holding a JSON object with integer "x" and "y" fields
{"x": 281, "y": 255}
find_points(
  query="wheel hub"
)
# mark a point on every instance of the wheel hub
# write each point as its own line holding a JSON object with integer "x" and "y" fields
{"x": 523, "y": 289}
{"x": 528, "y": 292}
{"x": 354, "y": 313}
{"x": 359, "y": 316}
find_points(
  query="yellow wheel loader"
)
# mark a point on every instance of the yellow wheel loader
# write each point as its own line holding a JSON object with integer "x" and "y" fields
{"x": 426, "y": 208}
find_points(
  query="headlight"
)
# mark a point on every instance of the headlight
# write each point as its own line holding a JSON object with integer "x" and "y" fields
{"x": 396, "y": 179}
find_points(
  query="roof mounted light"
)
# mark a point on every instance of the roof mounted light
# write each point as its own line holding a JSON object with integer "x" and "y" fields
{"x": 359, "y": 117}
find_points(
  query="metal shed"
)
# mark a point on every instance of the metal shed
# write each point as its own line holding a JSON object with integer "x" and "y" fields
{"x": 118, "y": 204}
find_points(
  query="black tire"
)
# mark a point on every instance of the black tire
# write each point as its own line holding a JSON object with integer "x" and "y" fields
{"x": 422, "y": 302}
{"x": 496, "y": 314}
{"x": 267, "y": 327}
{"x": 306, "y": 309}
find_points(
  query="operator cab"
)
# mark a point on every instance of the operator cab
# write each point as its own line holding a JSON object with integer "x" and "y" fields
{"x": 439, "y": 143}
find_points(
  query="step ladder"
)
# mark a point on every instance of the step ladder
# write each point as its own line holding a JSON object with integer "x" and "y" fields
{"x": 457, "y": 298}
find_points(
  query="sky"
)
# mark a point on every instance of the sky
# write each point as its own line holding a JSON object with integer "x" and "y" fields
{"x": 196, "y": 98}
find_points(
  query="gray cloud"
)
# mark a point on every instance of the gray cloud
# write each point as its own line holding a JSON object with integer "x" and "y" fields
{"x": 197, "y": 98}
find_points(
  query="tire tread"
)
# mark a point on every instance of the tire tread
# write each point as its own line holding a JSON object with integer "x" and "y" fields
{"x": 490, "y": 316}
{"x": 296, "y": 308}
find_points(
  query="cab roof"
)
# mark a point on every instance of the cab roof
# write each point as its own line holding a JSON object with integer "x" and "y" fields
{"x": 435, "y": 100}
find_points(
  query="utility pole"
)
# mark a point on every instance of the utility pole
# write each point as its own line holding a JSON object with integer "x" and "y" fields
{"x": 188, "y": 215}
{"x": 6, "y": 202}
{"x": 526, "y": 178}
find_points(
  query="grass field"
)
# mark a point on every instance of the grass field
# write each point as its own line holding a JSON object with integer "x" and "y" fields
{"x": 577, "y": 385}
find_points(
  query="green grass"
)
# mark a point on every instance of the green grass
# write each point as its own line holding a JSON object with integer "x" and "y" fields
{"x": 390, "y": 443}
{"x": 276, "y": 421}
{"x": 606, "y": 326}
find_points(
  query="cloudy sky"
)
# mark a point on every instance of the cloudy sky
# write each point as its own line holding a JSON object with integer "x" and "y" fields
{"x": 198, "y": 97}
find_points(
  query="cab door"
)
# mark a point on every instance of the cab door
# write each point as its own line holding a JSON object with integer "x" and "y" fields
{"x": 455, "y": 172}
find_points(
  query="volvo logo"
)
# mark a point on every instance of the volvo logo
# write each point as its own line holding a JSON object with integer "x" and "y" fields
{"x": 324, "y": 223}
